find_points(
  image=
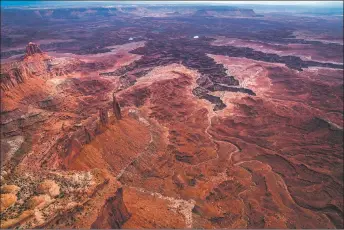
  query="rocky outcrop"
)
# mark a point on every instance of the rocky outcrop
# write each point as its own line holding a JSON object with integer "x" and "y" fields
{"x": 70, "y": 146}
{"x": 88, "y": 135}
{"x": 81, "y": 134}
{"x": 113, "y": 214}
{"x": 39, "y": 202}
{"x": 7, "y": 200}
{"x": 116, "y": 108}
{"x": 13, "y": 189}
{"x": 33, "y": 65}
{"x": 16, "y": 122}
{"x": 49, "y": 187}
{"x": 32, "y": 48}
{"x": 36, "y": 63}
{"x": 103, "y": 116}
{"x": 73, "y": 147}
{"x": 18, "y": 75}
{"x": 12, "y": 78}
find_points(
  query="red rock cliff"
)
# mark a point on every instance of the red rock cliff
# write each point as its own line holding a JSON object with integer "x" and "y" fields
{"x": 34, "y": 64}
{"x": 32, "y": 49}
{"x": 113, "y": 214}
{"x": 116, "y": 108}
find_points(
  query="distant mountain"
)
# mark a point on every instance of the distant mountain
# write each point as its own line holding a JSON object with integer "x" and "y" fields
{"x": 225, "y": 11}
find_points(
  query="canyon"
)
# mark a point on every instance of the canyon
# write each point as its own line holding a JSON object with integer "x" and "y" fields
{"x": 170, "y": 117}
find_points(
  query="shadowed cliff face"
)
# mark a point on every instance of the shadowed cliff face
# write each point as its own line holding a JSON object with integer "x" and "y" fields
{"x": 32, "y": 49}
{"x": 113, "y": 214}
{"x": 116, "y": 108}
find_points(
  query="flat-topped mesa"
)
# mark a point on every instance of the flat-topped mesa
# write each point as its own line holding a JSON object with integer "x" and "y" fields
{"x": 103, "y": 116}
{"x": 32, "y": 48}
{"x": 116, "y": 108}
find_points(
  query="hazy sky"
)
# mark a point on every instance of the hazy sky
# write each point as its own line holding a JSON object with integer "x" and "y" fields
{"x": 262, "y": 2}
{"x": 295, "y": 3}
{"x": 314, "y": 3}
